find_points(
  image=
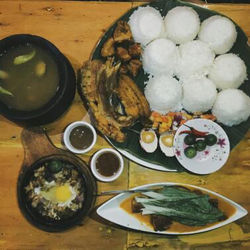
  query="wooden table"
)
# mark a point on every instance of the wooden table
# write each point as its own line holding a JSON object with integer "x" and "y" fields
{"x": 75, "y": 27}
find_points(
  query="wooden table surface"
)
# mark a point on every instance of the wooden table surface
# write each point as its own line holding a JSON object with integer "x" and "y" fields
{"x": 75, "y": 27}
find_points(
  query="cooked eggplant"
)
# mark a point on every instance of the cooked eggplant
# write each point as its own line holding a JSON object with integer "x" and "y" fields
{"x": 136, "y": 206}
{"x": 160, "y": 222}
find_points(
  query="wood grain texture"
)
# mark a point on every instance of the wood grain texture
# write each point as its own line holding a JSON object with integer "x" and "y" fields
{"x": 75, "y": 28}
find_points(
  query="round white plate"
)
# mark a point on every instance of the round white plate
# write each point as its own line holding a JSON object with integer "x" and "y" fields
{"x": 209, "y": 160}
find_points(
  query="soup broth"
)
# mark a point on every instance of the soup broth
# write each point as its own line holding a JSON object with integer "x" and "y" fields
{"x": 30, "y": 75}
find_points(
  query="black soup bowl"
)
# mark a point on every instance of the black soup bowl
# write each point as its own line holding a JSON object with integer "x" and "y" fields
{"x": 62, "y": 97}
{"x": 34, "y": 214}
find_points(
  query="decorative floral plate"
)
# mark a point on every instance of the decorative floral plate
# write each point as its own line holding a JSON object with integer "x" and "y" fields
{"x": 209, "y": 160}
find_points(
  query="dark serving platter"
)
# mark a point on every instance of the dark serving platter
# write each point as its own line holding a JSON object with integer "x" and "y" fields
{"x": 131, "y": 147}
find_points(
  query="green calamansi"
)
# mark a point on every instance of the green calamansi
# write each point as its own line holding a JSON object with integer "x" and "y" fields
{"x": 190, "y": 152}
{"x": 55, "y": 166}
{"x": 210, "y": 139}
{"x": 200, "y": 145}
{"x": 190, "y": 139}
{"x": 197, "y": 144}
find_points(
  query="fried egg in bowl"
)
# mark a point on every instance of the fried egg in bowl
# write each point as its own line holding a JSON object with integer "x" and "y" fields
{"x": 56, "y": 193}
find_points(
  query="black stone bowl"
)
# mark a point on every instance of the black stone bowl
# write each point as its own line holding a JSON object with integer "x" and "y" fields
{"x": 48, "y": 224}
{"x": 62, "y": 99}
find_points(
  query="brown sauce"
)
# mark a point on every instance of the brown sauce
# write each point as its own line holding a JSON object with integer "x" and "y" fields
{"x": 225, "y": 207}
{"x": 81, "y": 137}
{"x": 107, "y": 164}
{"x": 127, "y": 206}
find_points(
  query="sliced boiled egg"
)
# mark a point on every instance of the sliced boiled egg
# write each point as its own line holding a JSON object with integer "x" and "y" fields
{"x": 166, "y": 142}
{"x": 59, "y": 195}
{"x": 148, "y": 140}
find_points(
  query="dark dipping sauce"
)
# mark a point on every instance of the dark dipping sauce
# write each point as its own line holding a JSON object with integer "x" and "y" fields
{"x": 107, "y": 164}
{"x": 81, "y": 137}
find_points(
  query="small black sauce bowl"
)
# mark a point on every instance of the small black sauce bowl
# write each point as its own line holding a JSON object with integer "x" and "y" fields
{"x": 51, "y": 225}
{"x": 62, "y": 99}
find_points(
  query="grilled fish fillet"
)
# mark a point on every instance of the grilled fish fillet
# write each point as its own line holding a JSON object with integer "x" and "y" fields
{"x": 105, "y": 123}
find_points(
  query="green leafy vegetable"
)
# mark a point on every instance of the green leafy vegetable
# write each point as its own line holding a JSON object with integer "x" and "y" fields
{"x": 181, "y": 205}
{"x": 24, "y": 58}
{"x": 5, "y": 91}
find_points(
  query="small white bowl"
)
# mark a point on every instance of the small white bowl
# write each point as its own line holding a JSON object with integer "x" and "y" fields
{"x": 97, "y": 174}
{"x": 67, "y": 134}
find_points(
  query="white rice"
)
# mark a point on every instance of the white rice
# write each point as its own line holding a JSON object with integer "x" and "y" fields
{"x": 198, "y": 95}
{"x": 160, "y": 57}
{"x": 182, "y": 24}
{"x": 164, "y": 94}
{"x": 195, "y": 59}
{"x": 232, "y": 106}
{"x": 146, "y": 24}
{"x": 228, "y": 71}
{"x": 219, "y": 32}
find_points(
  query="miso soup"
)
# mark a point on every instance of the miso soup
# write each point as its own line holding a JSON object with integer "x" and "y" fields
{"x": 29, "y": 77}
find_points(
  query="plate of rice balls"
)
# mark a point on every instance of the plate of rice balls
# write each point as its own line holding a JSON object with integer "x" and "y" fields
{"x": 161, "y": 66}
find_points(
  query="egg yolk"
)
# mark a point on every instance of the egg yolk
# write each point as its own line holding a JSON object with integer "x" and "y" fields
{"x": 167, "y": 140}
{"x": 63, "y": 193}
{"x": 58, "y": 194}
{"x": 148, "y": 137}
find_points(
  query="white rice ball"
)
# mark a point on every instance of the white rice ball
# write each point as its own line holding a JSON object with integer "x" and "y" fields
{"x": 182, "y": 24}
{"x": 228, "y": 71}
{"x": 146, "y": 24}
{"x": 232, "y": 106}
{"x": 195, "y": 59}
{"x": 160, "y": 57}
{"x": 164, "y": 94}
{"x": 198, "y": 95}
{"x": 219, "y": 32}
